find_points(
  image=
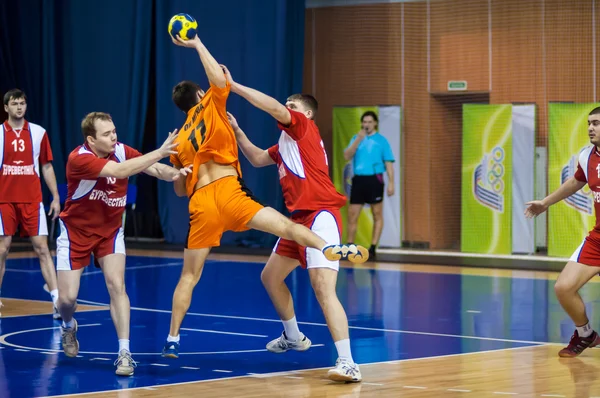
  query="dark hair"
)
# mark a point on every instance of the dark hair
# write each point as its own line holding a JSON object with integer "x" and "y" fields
{"x": 185, "y": 95}
{"x": 15, "y": 93}
{"x": 595, "y": 111}
{"x": 307, "y": 100}
{"x": 369, "y": 113}
{"x": 88, "y": 127}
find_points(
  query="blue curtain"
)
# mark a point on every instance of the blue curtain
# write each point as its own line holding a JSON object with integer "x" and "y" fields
{"x": 75, "y": 57}
{"x": 262, "y": 44}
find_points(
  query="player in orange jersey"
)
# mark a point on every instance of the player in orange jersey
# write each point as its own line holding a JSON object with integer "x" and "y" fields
{"x": 219, "y": 199}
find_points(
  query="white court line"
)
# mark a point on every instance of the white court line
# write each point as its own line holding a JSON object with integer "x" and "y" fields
{"x": 136, "y": 267}
{"x": 274, "y": 374}
{"x": 221, "y": 332}
{"x": 351, "y": 327}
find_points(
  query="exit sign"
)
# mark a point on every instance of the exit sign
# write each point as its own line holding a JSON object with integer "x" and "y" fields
{"x": 457, "y": 85}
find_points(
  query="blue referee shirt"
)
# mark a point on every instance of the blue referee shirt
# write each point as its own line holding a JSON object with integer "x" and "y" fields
{"x": 371, "y": 155}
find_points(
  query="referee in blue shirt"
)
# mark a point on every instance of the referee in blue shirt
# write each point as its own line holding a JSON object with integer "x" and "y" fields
{"x": 371, "y": 156}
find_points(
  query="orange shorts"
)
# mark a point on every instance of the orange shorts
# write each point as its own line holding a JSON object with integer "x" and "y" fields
{"x": 223, "y": 205}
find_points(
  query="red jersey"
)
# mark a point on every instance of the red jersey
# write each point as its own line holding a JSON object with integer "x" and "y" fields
{"x": 588, "y": 170}
{"x": 22, "y": 151}
{"x": 303, "y": 169}
{"x": 95, "y": 204}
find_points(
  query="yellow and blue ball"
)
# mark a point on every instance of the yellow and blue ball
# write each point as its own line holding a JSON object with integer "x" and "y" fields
{"x": 183, "y": 25}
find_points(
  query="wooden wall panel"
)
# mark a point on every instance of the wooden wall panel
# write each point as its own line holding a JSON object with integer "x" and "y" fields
{"x": 459, "y": 43}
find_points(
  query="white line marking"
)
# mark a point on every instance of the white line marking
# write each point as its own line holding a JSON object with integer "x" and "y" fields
{"x": 99, "y": 359}
{"x": 190, "y": 368}
{"x": 221, "y": 332}
{"x": 369, "y": 384}
{"x": 264, "y": 375}
{"x": 457, "y": 390}
{"x": 23, "y": 350}
{"x": 351, "y": 327}
{"x": 158, "y": 364}
{"x": 505, "y": 393}
{"x": 552, "y": 395}
{"x": 294, "y": 377}
{"x": 415, "y": 387}
{"x": 136, "y": 267}
{"x": 473, "y": 312}
{"x": 48, "y": 353}
{"x": 222, "y": 371}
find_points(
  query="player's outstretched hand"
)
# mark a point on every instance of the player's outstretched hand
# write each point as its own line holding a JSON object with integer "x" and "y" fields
{"x": 181, "y": 173}
{"x": 167, "y": 148}
{"x": 227, "y": 74}
{"x": 233, "y": 121}
{"x": 535, "y": 208}
{"x": 191, "y": 43}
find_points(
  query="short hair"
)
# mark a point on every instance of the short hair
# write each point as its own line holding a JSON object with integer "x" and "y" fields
{"x": 595, "y": 111}
{"x": 88, "y": 127}
{"x": 15, "y": 93}
{"x": 185, "y": 95}
{"x": 307, "y": 100}
{"x": 369, "y": 113}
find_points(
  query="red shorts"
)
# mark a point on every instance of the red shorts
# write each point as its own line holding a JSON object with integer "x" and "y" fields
{"x": 325, "y": 223}
{"x": 588, "y": 253}
{"x": 31, "y": 217}
{"x": 74, "y": 247}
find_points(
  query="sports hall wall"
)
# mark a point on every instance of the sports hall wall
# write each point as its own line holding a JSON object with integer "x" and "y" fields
{"x": 509, "y": 51}
{"x": 115, "y": 56}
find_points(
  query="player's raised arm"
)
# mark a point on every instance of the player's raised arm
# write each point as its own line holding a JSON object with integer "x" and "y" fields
{"x": 256, "y": 156}
{"x": 260, "y": 100}
{"x": 137, "y": 165}
{"x": 211, "y": 66}
{"x": 567, "y": 189}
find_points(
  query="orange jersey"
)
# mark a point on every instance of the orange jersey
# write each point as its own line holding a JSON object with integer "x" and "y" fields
{"x": 207, "y": 135}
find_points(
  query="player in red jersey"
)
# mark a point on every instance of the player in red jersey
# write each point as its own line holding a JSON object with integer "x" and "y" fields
{"x": 25, "y": 150}
{"x": 91, "y": 223}
{"x": 313, "y": 201}
{"x": 585, "y": 262}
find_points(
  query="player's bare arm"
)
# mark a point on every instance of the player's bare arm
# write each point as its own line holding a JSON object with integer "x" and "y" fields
{"x": 260, "y": 100}
{"x": 567, "y": 189}
{"x": 179, "y": 187}
{"x": 50, "y": 179}
{"x": 256, "y": 156}
{"x": 139, "y": 164}
{"x": 211, "y": 66}
{"x": 167, "y": 173}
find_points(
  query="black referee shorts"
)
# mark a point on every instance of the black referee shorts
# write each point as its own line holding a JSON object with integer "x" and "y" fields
{"x": 367, "y": 189}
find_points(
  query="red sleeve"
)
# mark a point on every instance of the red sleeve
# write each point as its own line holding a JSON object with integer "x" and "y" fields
{"x": 85, "y": 166}
{"x": 297, "y": 127}
{"x": 45, "y": 150}
{"x": 131, "y": 153}
{"x": 579, "y": 174}
{"x": 274, "y": 152}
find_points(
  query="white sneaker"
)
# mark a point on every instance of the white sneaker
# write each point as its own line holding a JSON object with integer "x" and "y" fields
{"x": 345, "y": 371}
{"x": 282, "y": 344}
{"x": 125, "y": 364}
{"x": 1, "y": 304}
{"x": 56, "y": 314}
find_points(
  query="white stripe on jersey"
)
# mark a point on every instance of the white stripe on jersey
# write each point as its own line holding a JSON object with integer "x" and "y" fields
{"x": 290, "y": 155}
{"x": 37, "y": 134}
{"x": 584, "y": 157}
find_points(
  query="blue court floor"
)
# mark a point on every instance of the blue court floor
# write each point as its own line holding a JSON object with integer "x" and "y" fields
{"x": 393, "y": 315}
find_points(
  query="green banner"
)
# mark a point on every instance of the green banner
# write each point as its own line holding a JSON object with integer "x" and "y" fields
{"x": 487, "y": 179}
{"x": 346, "y": 123}
{"x": 570, "y": 220}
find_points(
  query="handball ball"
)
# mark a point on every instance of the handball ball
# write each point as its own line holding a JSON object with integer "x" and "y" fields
{"x": 183, "y": 25}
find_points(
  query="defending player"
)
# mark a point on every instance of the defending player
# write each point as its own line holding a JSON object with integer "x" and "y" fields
{"x": 219, "y": 200}
{"x": 91, "y": 223}
{"x": 25, "y": 150}
{"x": 313, "y": 201}
{"x": 585, "y": 262}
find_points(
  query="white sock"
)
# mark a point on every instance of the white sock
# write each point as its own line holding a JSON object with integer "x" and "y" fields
{"x": 291, "y": 329}
{"x": 585, "y": 330}
{"x": 123, "y": 344}
{"x": 70, "y": 324}
{"x": 173, "y": 338}
{"x": 343, "y": 349}
{"x": 54, "y": 295}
